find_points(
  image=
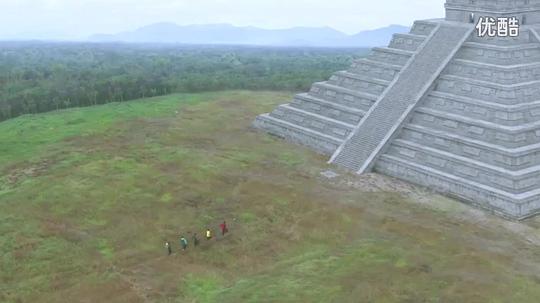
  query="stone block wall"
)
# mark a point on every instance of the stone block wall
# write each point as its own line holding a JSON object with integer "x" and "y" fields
{"x": 340, "y": 96}
{"x": 290, "y": 132}
{"x": 318, "y": 123}
{"x": 523, "y": 54}
{"x": 359, "y": 82}
{"x": 390, "y": 56}
{"x": 515, "y": 115}
{"x": 490, "y": 92}
{"x": 515, "y": 182}
{"x": 512, "y": 159}
{"x": 510, "y": 137}
{"x": 407, "y": 42}
{"x": 490, "y": 199}
{"x": 500, "y": 74}
{"x": 374, "y": 69}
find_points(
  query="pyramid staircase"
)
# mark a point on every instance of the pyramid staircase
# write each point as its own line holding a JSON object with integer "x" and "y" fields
{"x": 387, "y": 115}
{"x": 324, "y": 117}
{"x": 439, "y": 107}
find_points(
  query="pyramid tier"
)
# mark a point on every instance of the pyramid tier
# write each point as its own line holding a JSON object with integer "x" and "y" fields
{"x": 499, "y": 74}
{"x": 320, "y": 123}
{"x": 504, "y": 115}
{"x": 423, "y": 28}
{"x": 500, "y": 54}
{"x": 512, "y": 159}
{"x": 319, "y": 142}
{"x": 359, "y": 82}
{"x": 510, "y": 94}
{"x": 375, "y": 69}
{"x": 407, "y": 42}
{"x": 323, "y": 91}
{"x": 443, "y": 159}
{"x": 513, "y": 206}
{"x": 525, "y": 36}
{"x": 389, "y": 55}
{"x": 505, "y": 136}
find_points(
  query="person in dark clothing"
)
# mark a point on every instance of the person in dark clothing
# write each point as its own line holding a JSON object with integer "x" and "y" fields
{"x": 224, "y": 229}
{"x": 195, "y": 240}
{"x": 183, "y": 243}
{"x": 168, "y": 246}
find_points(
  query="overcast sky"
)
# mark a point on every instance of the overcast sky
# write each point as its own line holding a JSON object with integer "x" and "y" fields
{"x": 77, "y": 19}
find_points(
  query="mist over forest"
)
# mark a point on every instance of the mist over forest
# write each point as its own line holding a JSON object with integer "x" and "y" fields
{"x": 42, "y": 76}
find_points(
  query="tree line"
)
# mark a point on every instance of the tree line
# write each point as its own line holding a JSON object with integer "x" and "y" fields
{"x": 38, "y": 77}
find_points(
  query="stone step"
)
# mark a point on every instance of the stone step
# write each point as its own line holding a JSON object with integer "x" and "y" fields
{"x": 315, "y": 122}
{"x": 508, "y": 136}
{"x": 515, "y": 206}
{"x": 390, "y": 55}
{"x": 492, "y": 105}
{"x": 510, "y": 130}
{"x": 408, "y": 42}
{"x": 328, "y": 109}
{"x": 509, "y": 115}
{"x": 496, "y": 73}
{"x": 359, "y": 82}
{"x": 343, "y": 96}
{"x": 513, "y": 181}
{"x": 508, "y": 158}
{"x": 523, "y": 38}
{"x": 321, "y": 143}
{"x": 392, "y": 109}
{"x": 375, "y": 69}
{"x": 510, "y": 47}
{"x": 489, "y": 91}
{"x": 500, "y": 55}
{"x": 423, "y": 27}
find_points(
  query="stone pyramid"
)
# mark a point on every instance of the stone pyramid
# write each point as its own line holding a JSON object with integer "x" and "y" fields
{"x": 440, "y": 107}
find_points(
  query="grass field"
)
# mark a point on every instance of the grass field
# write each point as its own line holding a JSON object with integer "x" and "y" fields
{"x": 88, "y": 197}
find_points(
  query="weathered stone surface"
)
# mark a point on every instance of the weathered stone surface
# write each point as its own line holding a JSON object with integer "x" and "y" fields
{"x": 467, "y": 125}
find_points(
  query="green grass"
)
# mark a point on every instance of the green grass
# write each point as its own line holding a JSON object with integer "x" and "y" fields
{"x": 24, "y": 137}
{"x": 353, "y": 274}
{"x": 88, "y": 197}
{"x": 203, "y": 289}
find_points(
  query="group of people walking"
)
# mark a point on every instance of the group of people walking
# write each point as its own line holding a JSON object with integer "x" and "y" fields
{"x": 195, "y": 239}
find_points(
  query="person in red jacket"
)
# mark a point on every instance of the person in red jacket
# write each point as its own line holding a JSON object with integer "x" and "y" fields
{"x": 224, "y": 229}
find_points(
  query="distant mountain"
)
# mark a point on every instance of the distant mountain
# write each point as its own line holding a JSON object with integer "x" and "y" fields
{"x": 229, "y": 34}
{"x": 377, "y": 37}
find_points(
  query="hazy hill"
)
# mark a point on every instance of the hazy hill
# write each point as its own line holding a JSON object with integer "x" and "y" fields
{"x": 376, "y": 37}
{"x": 229, "y": 34}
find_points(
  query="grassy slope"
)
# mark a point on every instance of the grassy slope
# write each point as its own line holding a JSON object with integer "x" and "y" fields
{"x": 89, "y": 195}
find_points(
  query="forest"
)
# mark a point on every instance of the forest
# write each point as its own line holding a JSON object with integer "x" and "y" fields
{"x": 43, "y": 76}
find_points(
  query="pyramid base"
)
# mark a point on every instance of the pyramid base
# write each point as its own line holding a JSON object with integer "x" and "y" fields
{"x": 507, "y": 205}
